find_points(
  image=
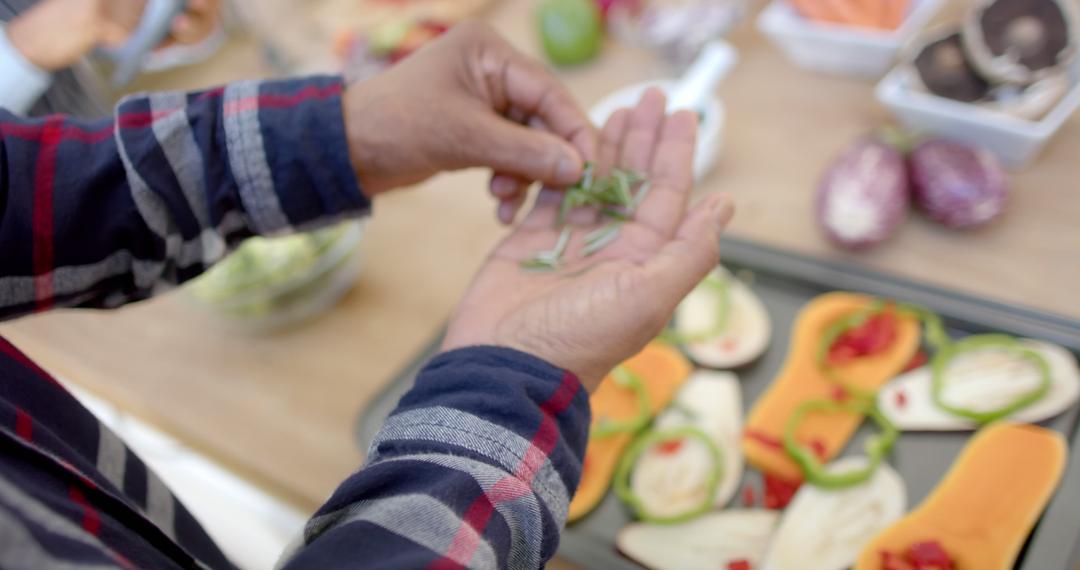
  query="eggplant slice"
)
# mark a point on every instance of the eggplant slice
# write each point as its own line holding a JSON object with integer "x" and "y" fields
{"x": 984, "y": 378}
{"x": 673, "y": 482}
{"x": 711, "y": 542}
{"x": 827, "y": 529}
{"x": 743, "y": 336}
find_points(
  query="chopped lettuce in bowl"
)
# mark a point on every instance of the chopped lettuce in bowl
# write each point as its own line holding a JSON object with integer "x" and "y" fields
{"x": 271, "y": 283}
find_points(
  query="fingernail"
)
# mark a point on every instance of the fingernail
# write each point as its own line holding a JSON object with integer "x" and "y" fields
{"x": 567, "y": 169}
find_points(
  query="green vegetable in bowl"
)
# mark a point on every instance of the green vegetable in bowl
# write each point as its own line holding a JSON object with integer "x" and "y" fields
{"x": 264, "y": 274}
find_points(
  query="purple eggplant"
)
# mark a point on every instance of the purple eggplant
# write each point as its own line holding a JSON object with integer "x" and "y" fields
{"x": 957, "y": 185}
{"x": 864, "y": 195}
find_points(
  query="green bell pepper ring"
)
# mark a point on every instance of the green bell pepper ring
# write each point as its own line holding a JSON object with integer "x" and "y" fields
{"x": 647, "y": 440}
{"x": 813, "y": 469}
{"x": 626, "y": 379}
{"x": 941, "y": 362}
{"x": 933, "y": 332}
{"x": 722, "y": 289}
{"x": 933, "y": 327}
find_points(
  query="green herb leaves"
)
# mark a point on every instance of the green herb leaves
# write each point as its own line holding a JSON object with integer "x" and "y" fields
{"x": 612, "y": 195}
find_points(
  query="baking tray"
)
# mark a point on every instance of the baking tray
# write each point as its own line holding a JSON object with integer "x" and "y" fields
{"x": 785, "y": 282}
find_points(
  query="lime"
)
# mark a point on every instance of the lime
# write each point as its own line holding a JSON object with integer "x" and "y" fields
{"x": 570, "y": 30}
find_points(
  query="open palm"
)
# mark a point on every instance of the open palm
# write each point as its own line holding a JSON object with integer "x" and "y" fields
{"x": 598, "y": 310}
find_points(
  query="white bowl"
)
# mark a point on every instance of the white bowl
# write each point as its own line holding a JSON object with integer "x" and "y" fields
{"x": 1015, "y": 141}
{"x": 710, "y": 131}
{"x": 838, "y": 49}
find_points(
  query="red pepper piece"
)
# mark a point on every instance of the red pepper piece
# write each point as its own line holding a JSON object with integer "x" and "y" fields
{"x": 749, "y": 496}
{"x": 841, "y": 353}
{"x": 740, "y": 564}
{"x": 839, "y": 394}
{"x": 929, "y": 555}
{"x": 918, "y": 359}
{"x": 669, "y": 447}
{"x": 901, "y": 399}
{"x": 764, "y": 439}
{"x": 873, "y": 336}
{"x": 818, "y": 447}
{"x": 779, "y": 492}
{"x": 729, "y": 344}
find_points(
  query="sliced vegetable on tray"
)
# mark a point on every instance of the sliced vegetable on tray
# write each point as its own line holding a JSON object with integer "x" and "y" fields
{"x": 804, "y": 378}
{"x": 722, "y": 323}
{"x": 981, "y": 513}
{"x": 734, "y": 539}
{"x": 826, "y": 529}
{"x": 622, "y": 405}
{"x": 983, "y": 379}
{"x": 688, "y": 473}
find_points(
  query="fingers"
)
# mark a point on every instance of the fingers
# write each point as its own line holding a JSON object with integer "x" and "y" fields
{"x": 607, "y": 152}
{"x": 510, "y": 193}
{"x": 530, "y": 88}
{"x": 695, "y": 250}
{"x": 642, "y": 132}
{"x": 512, "y": 83}
{"x": 521, "y": 152}
{"x": 671, "y": 175}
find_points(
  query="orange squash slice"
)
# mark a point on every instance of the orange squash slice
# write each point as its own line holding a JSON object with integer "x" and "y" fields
{"x": 984, "y": 509}
{"x": 802, "y": 379}
{"x": 662, "y": 370}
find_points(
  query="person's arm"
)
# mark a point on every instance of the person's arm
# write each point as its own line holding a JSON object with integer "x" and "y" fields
{"x": 475, "y": 468}
{"x": 101, "y": 213}
{"x": 477, "y": 465}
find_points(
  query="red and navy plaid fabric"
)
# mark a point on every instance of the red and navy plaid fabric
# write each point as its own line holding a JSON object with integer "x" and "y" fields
{"x": 475, "y": 468}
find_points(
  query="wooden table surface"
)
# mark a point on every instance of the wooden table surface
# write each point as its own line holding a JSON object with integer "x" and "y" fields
{"x": 281, "y": 409}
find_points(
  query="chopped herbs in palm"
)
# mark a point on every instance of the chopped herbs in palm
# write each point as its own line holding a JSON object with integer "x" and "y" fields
{"x": 612, "y": 195}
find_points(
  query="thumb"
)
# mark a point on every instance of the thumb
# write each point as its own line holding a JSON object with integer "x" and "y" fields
{"x": 694, "y": 251}
{"x": 523, "y": 152}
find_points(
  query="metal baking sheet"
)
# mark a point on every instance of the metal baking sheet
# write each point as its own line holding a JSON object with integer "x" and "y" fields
{"x": 785, "y": 282}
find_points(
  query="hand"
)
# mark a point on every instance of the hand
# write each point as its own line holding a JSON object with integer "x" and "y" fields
{"x": 598, "y": 311}
{"x": 463, "y": 101}
{"x": 54, "y": 34}
{"x": 195, "y": 24}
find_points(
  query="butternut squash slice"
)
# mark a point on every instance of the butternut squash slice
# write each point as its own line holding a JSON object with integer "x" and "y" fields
{"x": 802, "y": 379}
{"x": 985, "y": 507}
{"x": 662, "y": 370}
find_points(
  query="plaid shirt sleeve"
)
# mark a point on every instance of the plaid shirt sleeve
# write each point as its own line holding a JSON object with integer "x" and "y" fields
{"x": 474, "y": 469}
{"x": 97, "y": 214}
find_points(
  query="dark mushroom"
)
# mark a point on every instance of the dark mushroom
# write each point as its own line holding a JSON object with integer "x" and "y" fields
{"x": 1021, "y": 41}
{"x": 944, "y": 69}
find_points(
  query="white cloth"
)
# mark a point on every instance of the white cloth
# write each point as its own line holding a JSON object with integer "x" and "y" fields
{"x": 21, "y": 83}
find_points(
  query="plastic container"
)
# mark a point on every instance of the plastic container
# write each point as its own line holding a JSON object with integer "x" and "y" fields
{"x": 837, "y": 49}
{"x": 1017, "y": 142}
{"x": 273, "y": 283}
{"x": 695, "y": 90}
